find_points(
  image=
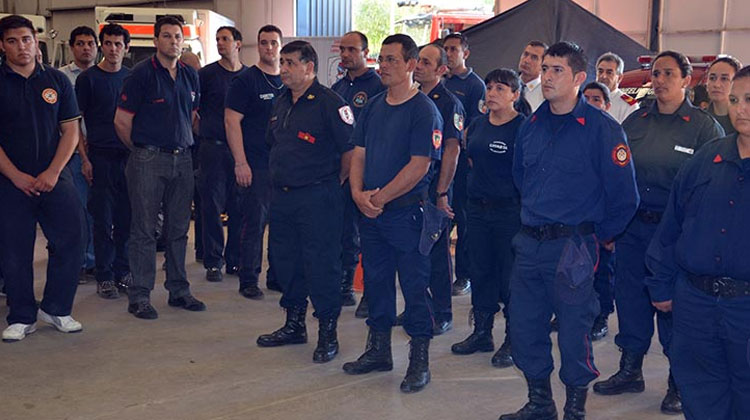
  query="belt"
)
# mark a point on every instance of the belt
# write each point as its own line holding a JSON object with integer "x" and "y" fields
{"x": 288, "y": 188}
{"x": 557, "y": 230}
{"x": 208, "y": 140}
{"x": 726, "y": 287}
{"x": 168, "y": 150}
{"x": 405, "y": 201}
{"x": 648, "y": 216}
{"x": 494, "y": 203}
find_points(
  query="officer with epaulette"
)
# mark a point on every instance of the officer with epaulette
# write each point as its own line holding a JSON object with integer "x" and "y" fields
{"x": 359, "y": 84}
{"x": 309, "y": 133}
{"x": 431, "y": 67}
{"x": 662, "y": 137}
{"x": 39, "y": 122}
{"x": 701, "y": 273}
{"x": 573, "y": 168}
{"x": 470, "y": 89}
{"x": 609, "y": 70}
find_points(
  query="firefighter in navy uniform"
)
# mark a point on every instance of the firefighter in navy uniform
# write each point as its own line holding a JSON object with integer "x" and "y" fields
{"x": 38, "y": 133}
{"x": 309, "y": 133}
{"x": 662, "y": 137}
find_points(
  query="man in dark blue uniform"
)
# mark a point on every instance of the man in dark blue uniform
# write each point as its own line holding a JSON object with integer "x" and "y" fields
{"x": 97, "y": 90}
{"x": 217, "y": 187}
{"x": 38, "y": 133}
{"x": 309, "y": 133}
{"x": 431, "y": 67}
{"x": 701, "y": 272}
{"x": 247, "y": 108}
{"x": 572, "y": 166}
{"x": 358, "y": 85}
{"x": 470, "y": 89}
{"x": 154, "y": 119}
{"x": 397, "y": 137}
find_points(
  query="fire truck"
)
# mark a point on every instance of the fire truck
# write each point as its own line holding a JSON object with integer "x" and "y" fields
{"x": 435, "y": 23}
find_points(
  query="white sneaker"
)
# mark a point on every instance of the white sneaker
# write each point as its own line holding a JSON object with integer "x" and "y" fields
{"x": 17, "y": 332}
{"x": 64, "y": 324}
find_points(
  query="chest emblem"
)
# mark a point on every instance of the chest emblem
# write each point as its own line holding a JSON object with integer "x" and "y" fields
{"x": 437, "y": 139}
{"x": 498, "y": 147}
{"x": 266, "y": 96}
{"x": 49, "y": 95}
{"x": 360, "y": 99}
{"x": 621, "y": 155}
{"x": 306, "y": 137}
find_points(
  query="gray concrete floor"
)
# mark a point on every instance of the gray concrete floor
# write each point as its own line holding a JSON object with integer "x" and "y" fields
{"x": 207, "y": 366}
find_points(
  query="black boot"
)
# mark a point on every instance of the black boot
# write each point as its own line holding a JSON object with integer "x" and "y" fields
{"x": 347, "y": 292}
{"x": 294, "y": 330}
{"x": 328, "y": 344}
{"x": 541, "y": 406}
{"x": 628, "y": 379}
{"x": 481, "y": 338}
{"x": 672, "y": 402}
{"x": 400, "y": 319}
{"x": 377, "y": 355}
{"x": 575, "y": 403}
{"x": 600, "y": 328}
{"x": 362, "y": 311}
{"x": 418, "y": 372}
{"x": 503, "y": 358}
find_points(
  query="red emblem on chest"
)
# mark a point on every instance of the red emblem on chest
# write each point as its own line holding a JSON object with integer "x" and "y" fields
{"x": 306, "y": 137}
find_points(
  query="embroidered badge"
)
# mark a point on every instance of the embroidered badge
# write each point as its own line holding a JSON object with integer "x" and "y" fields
{"x": 684, "y": 149}
{"x": 306, "y": 137}
{"x": 482, "y": 106}
{"x": 346, "y": 115}
{"x": 49, "y": 95}
{"x": 458, "y": 121}
{"x": 621, "y": 155}
{"x": 360, "y": 99}
{"x": 437, "y": 138}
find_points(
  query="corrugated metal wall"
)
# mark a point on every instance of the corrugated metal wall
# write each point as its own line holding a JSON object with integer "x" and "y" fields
{"x": 323, "y": 17}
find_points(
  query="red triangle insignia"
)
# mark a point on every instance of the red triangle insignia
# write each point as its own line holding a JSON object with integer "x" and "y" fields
{"x": 717, "y": 158}
{"x": 581, "y": 120}
{"x": 686, "y": 118}
{"x": 644, "y": 114}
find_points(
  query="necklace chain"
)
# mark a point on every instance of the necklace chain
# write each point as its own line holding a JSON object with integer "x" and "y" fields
{"x": 279, "y": 87}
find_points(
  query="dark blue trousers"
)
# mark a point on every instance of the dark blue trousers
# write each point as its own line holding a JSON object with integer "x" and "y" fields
{"x": 537, "y": 293}
{"x": 710, "y": 354}
{"x": 460, "y": 198}
{"x": 390, "y": 245}
{"x": 82, "y": 190}
{"x": 305, "y": 246}
{"x": 109, "y": 206}
{"x": 604, "y": 281}
{"x": 350, "y": 246}
{"x": 218, "y": 192}
{"x": 491, "y": 229}
{"x": 60, "y": 214}
{"x": 255, "y": 201}
{"x": 635, "y": 314}
{"x": 441, "y": 277}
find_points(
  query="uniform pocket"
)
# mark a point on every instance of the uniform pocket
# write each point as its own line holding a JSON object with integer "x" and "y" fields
{"x": 574, "y": 276}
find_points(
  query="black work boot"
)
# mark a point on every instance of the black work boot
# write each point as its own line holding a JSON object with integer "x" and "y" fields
{"x": 362, "y": 311}
{"x": 503, "y": 357}
{"x": 328, "y": 344}
{"x": 600, "y": 328}
{"x": 575, "y": 403}
{"x": 672, "y": 402}
{"x": 461, "y": 287}
{"x": 418, "y": 372}
{"x": 481, "y": 338}
{"x": 541, "y": 406}
{"x": 347, "y": 291}
{"x": 377, "y": 355}
{"x": 294, "y": 330}
{"x": 628, "y": 379}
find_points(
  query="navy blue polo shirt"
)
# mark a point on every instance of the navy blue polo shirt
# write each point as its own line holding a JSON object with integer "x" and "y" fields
{"x": 307, "y": 138}
{"x": 575, "y": 168}
{"x": 97, "y": 91}
{"x": 163, "y": 106}
{"x": 252, "y": 93}
{"x": 704, "y": 230}
{"x": 31, "y": 111}
{"x": 469, "y": 89}
{"x": 490, "y": 148}
{"x": 661, "y": 143}
{"x": 215, "y": 81}
{"x": 359, "y": 91}
{"x": 392, "y": 134}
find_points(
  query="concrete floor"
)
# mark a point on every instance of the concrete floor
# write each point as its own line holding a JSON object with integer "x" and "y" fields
{"x": 207, "y": 366}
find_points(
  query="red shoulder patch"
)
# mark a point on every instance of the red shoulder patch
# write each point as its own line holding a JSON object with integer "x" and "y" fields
{"x": 718, "y": 159}
{"x": 629, "y": 99}
{"x": 621, "y": 155}
{"x": 581, "y": 120}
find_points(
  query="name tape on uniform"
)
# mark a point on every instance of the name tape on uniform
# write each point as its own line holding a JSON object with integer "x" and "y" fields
{"x": 684, "y": 149}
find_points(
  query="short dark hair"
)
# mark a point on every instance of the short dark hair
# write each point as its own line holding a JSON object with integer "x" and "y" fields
{"x": 166, "y": 20}
{"x": 511, "y": 79}
{"x": 538, "y": 44}
{"x": 732, "y": 61}
{"x": 576, "y": 58}
{"x": 443, "y": 59}
{"x": 601, "y": 87}
{"x": 306, "y": 52}
{"x": 682, "y": 61}
{"x": 15, "y": 22}
{"x": 409, "y": 49}
{"x": 113, "y": 29}
{"x": 362, "y": 38}
{"x": 463, "y": 39}
{"x": 742, "y": 74}
{"x": 81, "y": 31}
{"x": 236, "y": 34}
{"x": 270, "y": 28}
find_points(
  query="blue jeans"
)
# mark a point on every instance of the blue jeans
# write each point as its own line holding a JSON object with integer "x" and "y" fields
{"x": 155, "y": 178}
{"x": 82, "y": 188}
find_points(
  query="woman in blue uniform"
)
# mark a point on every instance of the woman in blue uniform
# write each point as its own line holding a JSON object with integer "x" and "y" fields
{"x": 493, "y": 210}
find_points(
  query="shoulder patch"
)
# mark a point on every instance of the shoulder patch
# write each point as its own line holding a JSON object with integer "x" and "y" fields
{"x": 481, "y": 106}
{"x": 621, "y": 155}
{"x": 49, "y": 95}
{"x": 628, "y": 99}
{"x": 458, "y": 121}
{"x": 437, "y": 139}
{"x": 346, "y": 115}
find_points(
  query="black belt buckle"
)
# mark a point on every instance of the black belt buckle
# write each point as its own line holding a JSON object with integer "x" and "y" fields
{"x": 722, "y": 286}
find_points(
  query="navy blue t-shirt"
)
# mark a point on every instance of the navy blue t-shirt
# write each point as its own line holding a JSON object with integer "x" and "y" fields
{"x": 163, "y": 106}
{"x": 491, "y": 148}
{"x": 392, "y": 134}
{"x": 215, "y": 81}
{"x": 97, "y": 91}
{"x": 359, "y": 91}
{"x": 31, "y": 111}
{"x": 252, "y": 93}
{"x": 469, "y": 89}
